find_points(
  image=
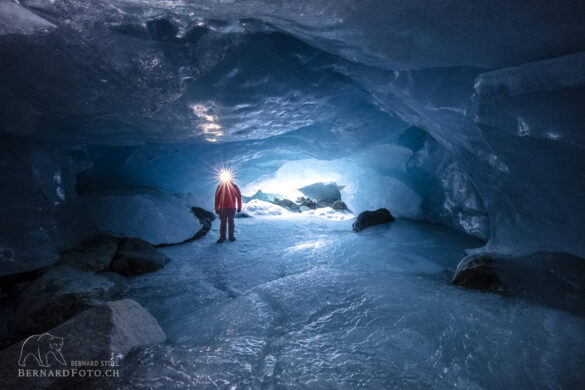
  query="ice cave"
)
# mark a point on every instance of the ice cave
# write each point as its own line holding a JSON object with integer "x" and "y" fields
{"x": 412, "y": 183}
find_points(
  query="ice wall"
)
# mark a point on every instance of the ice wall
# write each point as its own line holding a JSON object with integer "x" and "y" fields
{"x": 151, "y": 215}
{"x": 459, "y": 113}
{"x": 531, "y": 116}
{"x": 38, "y": 204}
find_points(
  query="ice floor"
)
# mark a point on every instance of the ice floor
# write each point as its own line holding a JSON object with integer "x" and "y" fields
{"x": 304, "y": 302}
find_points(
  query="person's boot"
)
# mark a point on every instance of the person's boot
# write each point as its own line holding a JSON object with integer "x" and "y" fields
{"x": 232, "y": 238}
{"x": 220, "y": 240}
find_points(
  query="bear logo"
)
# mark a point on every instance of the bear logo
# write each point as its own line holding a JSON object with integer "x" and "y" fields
{"x": 40, "y": 347}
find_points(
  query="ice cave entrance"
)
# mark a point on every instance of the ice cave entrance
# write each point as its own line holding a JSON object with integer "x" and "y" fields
{"x": 314, "y": 185}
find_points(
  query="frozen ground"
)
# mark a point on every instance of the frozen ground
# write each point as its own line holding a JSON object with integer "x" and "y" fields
{"x": 303, "y": 302}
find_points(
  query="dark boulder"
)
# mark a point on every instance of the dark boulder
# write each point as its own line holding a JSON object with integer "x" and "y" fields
{"x": 205, "y": 218}
{"x": 94, "y": 254}
{"x": 307, "y": 202}
{"x": 339, "y": 205}
{"x": 324, "y": 203}
{"x": 136, "y": 257}
{"x": 14, "y": 284}
{"x": 370, "y": 218}
{"x": 287, "y": 204}
{"x": 106, "y": 332}
{"x": 477, "y": 272}
{"x": 59, "y": 294}
{"x": 202, "y": 214}
{"x": 120, "y": 283}
{"x": 242, "y": 214}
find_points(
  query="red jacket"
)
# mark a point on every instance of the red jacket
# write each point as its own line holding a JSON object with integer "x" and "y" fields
{"x": 226, "y": 196}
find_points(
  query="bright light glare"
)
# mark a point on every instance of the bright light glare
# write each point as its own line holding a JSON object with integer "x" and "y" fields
{"x": 225, "y": 176}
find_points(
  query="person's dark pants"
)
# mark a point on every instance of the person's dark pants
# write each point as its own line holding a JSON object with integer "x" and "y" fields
{"x": 226, "y": 216}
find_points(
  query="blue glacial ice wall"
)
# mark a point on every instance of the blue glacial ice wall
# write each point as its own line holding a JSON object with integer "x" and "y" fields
{"x": 38, "y": 203}
{"x": 464, "y": 114}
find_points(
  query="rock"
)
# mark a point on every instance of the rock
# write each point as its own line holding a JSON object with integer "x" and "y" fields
{"x": 14, "y": 284}
{"x": 242, "y": 214}
{"x": 136, "y": 257}
{"x": 18, "y": 288}
{"x": 477, "y": 272}
{"x": 205, "y": 228}
{"x": 58, "y": 295}
{"x": 369, "y": 218}
{"x": 309, "y": 203}
{"x": 94, "y": 254}
{"x": 202, "y": 214}
{"x": 324, "y": 203}
{"x": 102, "y": 333}
{"x": 287, "y": 204}
{"x": 304, "y": 208}
{"x": 120, "y": 282}
{"x": 327, "y": 193}
{"x": 205, "y": 218}
{"x": 339, "y": 205}
{"x": 6, "y": 312}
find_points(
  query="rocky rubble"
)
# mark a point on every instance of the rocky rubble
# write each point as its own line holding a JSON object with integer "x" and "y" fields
{"x": 58, "y": 295}
{"x": 136, "y": 257}
{"x": 104, "y": 333}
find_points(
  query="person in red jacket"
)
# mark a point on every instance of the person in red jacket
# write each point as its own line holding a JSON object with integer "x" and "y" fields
{"x": 226, "y": 197}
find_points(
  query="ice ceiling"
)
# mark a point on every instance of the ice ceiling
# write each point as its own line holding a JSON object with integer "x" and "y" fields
{"x": 465, "y": 113}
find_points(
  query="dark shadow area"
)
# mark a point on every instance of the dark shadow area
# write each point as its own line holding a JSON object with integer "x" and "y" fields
{"x": 556, "y": 280}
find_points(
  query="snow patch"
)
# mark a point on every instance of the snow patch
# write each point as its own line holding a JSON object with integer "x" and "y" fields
{"x": 257, "y": 207}
{"x": 329, "y": 213}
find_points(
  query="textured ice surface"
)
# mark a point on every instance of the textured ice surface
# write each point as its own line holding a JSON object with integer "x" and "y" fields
{"x": 326, "y": 307}
{"x": 15, "y": 19}
{"x": 532, "y": 108}
{"x": 467, "y": 114}
{"x": 455, "y": 112}
{"x": 150, "y": 215}
{"x": 424, "y": 35}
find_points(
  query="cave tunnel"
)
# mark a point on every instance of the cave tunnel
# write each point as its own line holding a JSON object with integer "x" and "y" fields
{"x": 412, "y": 179}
